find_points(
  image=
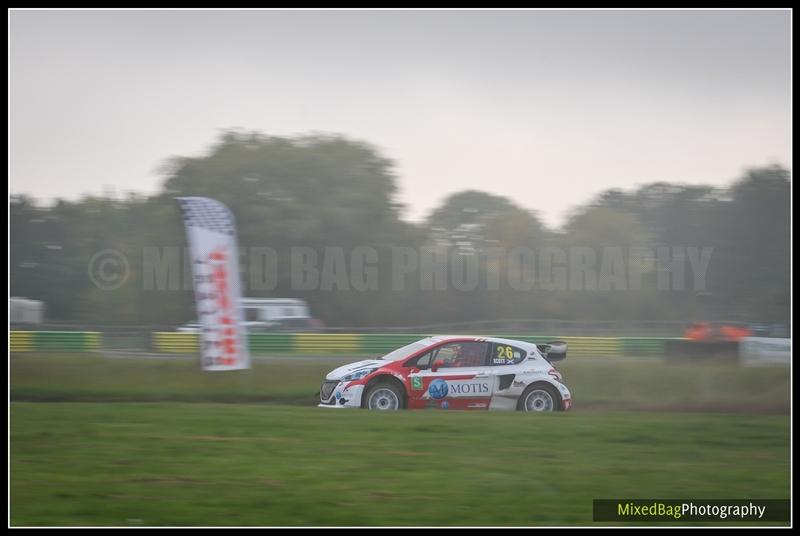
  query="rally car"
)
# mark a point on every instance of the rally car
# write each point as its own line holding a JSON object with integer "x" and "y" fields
{"x": 468, "y": 373}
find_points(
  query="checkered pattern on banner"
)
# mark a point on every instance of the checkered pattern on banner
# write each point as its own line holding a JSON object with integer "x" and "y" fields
{"x": 207, "y": 214}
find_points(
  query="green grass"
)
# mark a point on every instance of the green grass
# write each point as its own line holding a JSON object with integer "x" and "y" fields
{"x": 224, "y": 464}
{"x": 119, "y": 444}
{"x": 657, "y": 383}
{"x": 77, "y": 377}
{"x": 596, "y": 383}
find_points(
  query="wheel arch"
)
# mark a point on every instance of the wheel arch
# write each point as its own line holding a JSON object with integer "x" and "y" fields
{"x": 549, "y": 386}
{"x": 385, "y": 378}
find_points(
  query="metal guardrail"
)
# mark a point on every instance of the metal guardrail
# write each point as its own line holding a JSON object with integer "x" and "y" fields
{"x": 309, "y": 343}
{"x": 54, "y": 341}
{"x": 509, "y": 326}
{"x": 137, "y": 335}
{"x": 378, "y": 344}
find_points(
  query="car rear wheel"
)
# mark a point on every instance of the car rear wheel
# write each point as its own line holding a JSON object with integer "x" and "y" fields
{"x": 539, "y": 398}
{"x": 384, "y": 397}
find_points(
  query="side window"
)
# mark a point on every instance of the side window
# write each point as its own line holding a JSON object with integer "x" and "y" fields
{"x": 461, "y": 354}
{"x": 423, "y": 362}
{"x": 505, "y": 354}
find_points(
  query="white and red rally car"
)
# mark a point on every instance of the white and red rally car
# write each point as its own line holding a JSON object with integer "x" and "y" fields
{"x": 453, "y": 373}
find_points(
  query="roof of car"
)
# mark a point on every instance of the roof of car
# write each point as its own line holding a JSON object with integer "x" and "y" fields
{"x": 441, "y": 338}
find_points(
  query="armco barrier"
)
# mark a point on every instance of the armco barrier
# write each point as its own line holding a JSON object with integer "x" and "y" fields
{"x": 270, "y": 343}
{"x": 324, "y": 343}
{"x": 21, "y": 341}
{"x": 369, "y": 344}
{"x": 592, "y": 346}
{"x": 581, "y": 346}
{"x": 176, "y": 342}
{"x": 54, "y": 341}
{"x": 643, "y": 345}
{"x": 267, "y": 343}
{"x": 379, "y": 344}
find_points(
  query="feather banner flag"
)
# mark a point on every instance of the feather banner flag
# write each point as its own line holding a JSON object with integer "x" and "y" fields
{"x": 211, "y": 232}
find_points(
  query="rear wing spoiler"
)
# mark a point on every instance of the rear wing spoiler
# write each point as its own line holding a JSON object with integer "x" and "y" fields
{"x": 553, "y": 350}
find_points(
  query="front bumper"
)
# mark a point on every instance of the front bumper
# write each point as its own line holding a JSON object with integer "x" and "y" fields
{"x": 336, "y": 394}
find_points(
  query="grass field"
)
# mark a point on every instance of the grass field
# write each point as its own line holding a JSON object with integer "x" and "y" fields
{"x": 102, "y": 451}
{"x": 214, "y": 464}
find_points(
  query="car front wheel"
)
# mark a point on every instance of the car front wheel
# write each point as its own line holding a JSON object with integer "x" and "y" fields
{"x": 384, "y": 397}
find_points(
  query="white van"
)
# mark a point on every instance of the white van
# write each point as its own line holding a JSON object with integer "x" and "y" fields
{"x": 270, "y": 314}
{"x": 270, "y": 310}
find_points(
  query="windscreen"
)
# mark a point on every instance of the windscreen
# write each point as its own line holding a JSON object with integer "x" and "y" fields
{"x": 406, "y": 350}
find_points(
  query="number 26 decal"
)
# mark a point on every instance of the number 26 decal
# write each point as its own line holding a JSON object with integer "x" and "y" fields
{"x": 506, "y": 352}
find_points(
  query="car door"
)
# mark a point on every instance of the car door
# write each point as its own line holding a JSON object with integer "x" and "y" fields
{"x": 453, "y": 375}
{"x": 506, "y": 362}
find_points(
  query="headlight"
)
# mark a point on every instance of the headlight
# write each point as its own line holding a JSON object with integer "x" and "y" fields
{"x": 358, "y": 375}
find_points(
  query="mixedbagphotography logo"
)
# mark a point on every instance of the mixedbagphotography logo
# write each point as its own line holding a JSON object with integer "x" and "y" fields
{"x": 429, "y": 269}
{"x": 690, "y": 510}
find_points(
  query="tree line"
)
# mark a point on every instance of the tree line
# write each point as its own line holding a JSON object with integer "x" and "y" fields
{"x": 323, "y": 191}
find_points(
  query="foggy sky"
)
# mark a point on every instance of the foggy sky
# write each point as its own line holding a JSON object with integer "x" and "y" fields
{"x": 545, "y": 107}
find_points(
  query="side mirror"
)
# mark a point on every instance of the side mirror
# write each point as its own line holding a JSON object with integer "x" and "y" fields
{"x": 436, "y": 364}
